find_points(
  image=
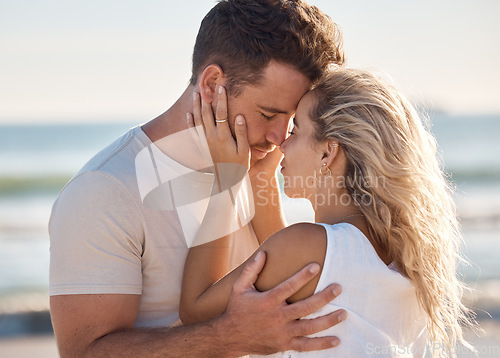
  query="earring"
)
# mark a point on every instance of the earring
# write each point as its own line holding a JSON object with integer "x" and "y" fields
{"x": 323, "y": 171}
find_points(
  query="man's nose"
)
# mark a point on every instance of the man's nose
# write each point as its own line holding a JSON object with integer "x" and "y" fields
{"x": 277, "y": 131}
{"x": 282, "y": 147}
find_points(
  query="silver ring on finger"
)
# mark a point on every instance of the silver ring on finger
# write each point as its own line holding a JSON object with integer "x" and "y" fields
{"x": 221, "y": 120}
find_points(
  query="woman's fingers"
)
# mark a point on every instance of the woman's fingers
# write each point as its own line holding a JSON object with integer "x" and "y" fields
{"x": 240, "y": 130}
{"x": 215, "y": 128}
{"x": 207, "y": 116}
{"x": 221, "y": 116}
{"x": 198, "y": 120}
{"x": 198, "y": 134}
{"x": 221, "y": 110}
{"x": 197, "y": 109}
{"x": 191, "y": 126}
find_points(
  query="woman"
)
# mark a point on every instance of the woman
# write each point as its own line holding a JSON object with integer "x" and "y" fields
{"x": 385, "y": 229}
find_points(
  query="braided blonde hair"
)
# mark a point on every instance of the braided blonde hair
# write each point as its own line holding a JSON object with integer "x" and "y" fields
{"x": 392, "y": 161}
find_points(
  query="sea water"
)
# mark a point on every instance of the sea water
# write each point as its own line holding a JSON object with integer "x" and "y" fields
{"x": 37, "y": 160}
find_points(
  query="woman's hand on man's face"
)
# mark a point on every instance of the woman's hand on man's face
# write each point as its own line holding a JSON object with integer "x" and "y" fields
{"x": 231, "y": 157}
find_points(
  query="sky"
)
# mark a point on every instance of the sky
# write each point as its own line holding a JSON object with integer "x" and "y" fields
{"x": 95, "y": 60}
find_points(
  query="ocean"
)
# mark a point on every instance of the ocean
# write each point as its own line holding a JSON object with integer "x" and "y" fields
{"x": 37, "y": 160}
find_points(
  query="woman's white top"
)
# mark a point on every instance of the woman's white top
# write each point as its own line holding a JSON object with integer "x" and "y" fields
{"x": 384, "y": 318}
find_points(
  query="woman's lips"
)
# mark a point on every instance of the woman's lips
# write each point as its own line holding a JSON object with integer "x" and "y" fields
{"x": 282, "y": 164}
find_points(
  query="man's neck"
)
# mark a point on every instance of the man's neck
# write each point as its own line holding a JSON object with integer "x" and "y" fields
{"x": 173, "y": 119}
{"x": 169, "y": 133}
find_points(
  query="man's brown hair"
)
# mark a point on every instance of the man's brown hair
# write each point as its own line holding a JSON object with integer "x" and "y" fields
{"x": 243, "y": 36}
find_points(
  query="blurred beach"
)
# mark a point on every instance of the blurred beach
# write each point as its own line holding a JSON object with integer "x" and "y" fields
{"x": 37, "y": 160}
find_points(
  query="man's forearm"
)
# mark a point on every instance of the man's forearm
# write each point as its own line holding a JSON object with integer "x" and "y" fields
{"x": 206, "y": 339}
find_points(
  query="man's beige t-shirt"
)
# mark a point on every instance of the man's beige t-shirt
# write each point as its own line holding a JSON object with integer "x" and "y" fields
{"x": 106, "y": 239}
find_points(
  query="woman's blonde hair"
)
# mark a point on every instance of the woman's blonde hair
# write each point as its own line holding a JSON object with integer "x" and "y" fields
{"x": 394, "y": 176}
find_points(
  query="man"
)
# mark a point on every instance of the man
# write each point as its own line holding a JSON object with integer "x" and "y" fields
{"x": 117, "y": 258}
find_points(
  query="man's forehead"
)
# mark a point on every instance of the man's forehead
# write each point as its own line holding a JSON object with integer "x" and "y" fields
{"x": 280, "y": 88}
{"x": 280, "y": 101}
{"x": 273, "y": 109}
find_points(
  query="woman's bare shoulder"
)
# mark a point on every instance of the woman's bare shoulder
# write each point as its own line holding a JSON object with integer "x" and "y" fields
{"x": 288, "y": 251}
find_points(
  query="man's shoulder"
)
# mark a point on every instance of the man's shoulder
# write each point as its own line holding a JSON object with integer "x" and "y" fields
{"x": 119, "y": 155}
{"x": 113, "y": 166}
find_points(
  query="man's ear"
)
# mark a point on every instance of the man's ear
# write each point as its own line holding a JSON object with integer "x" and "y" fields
{"x": 211, "y": 77}
{"x": 331, "y": 150}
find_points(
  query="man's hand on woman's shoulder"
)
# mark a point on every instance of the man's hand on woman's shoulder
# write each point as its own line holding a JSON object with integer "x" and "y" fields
{"x": 263, "y": 323}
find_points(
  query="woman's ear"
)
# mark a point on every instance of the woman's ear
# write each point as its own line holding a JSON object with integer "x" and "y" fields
{"x": 211, "y": 77}
{"x": 330, "y": 152}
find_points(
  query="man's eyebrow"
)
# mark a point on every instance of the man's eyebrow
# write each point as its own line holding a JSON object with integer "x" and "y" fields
{"x": 272, "y": 109}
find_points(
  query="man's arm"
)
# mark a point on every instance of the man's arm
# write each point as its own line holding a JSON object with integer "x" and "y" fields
{"x": 102, "y": 325}
{"x": 288, "y": 252}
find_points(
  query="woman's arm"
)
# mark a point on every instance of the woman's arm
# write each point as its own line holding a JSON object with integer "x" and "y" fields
{"x": 288, "y": 251}
{"x": 269, "y": 217}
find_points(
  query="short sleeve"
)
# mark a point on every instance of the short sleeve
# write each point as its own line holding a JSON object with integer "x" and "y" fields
{"x": 96, "y": 238}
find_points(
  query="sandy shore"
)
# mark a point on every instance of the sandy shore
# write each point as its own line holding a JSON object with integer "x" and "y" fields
{"x": 488, "y": 344}
{"x": 28, "y": 347}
